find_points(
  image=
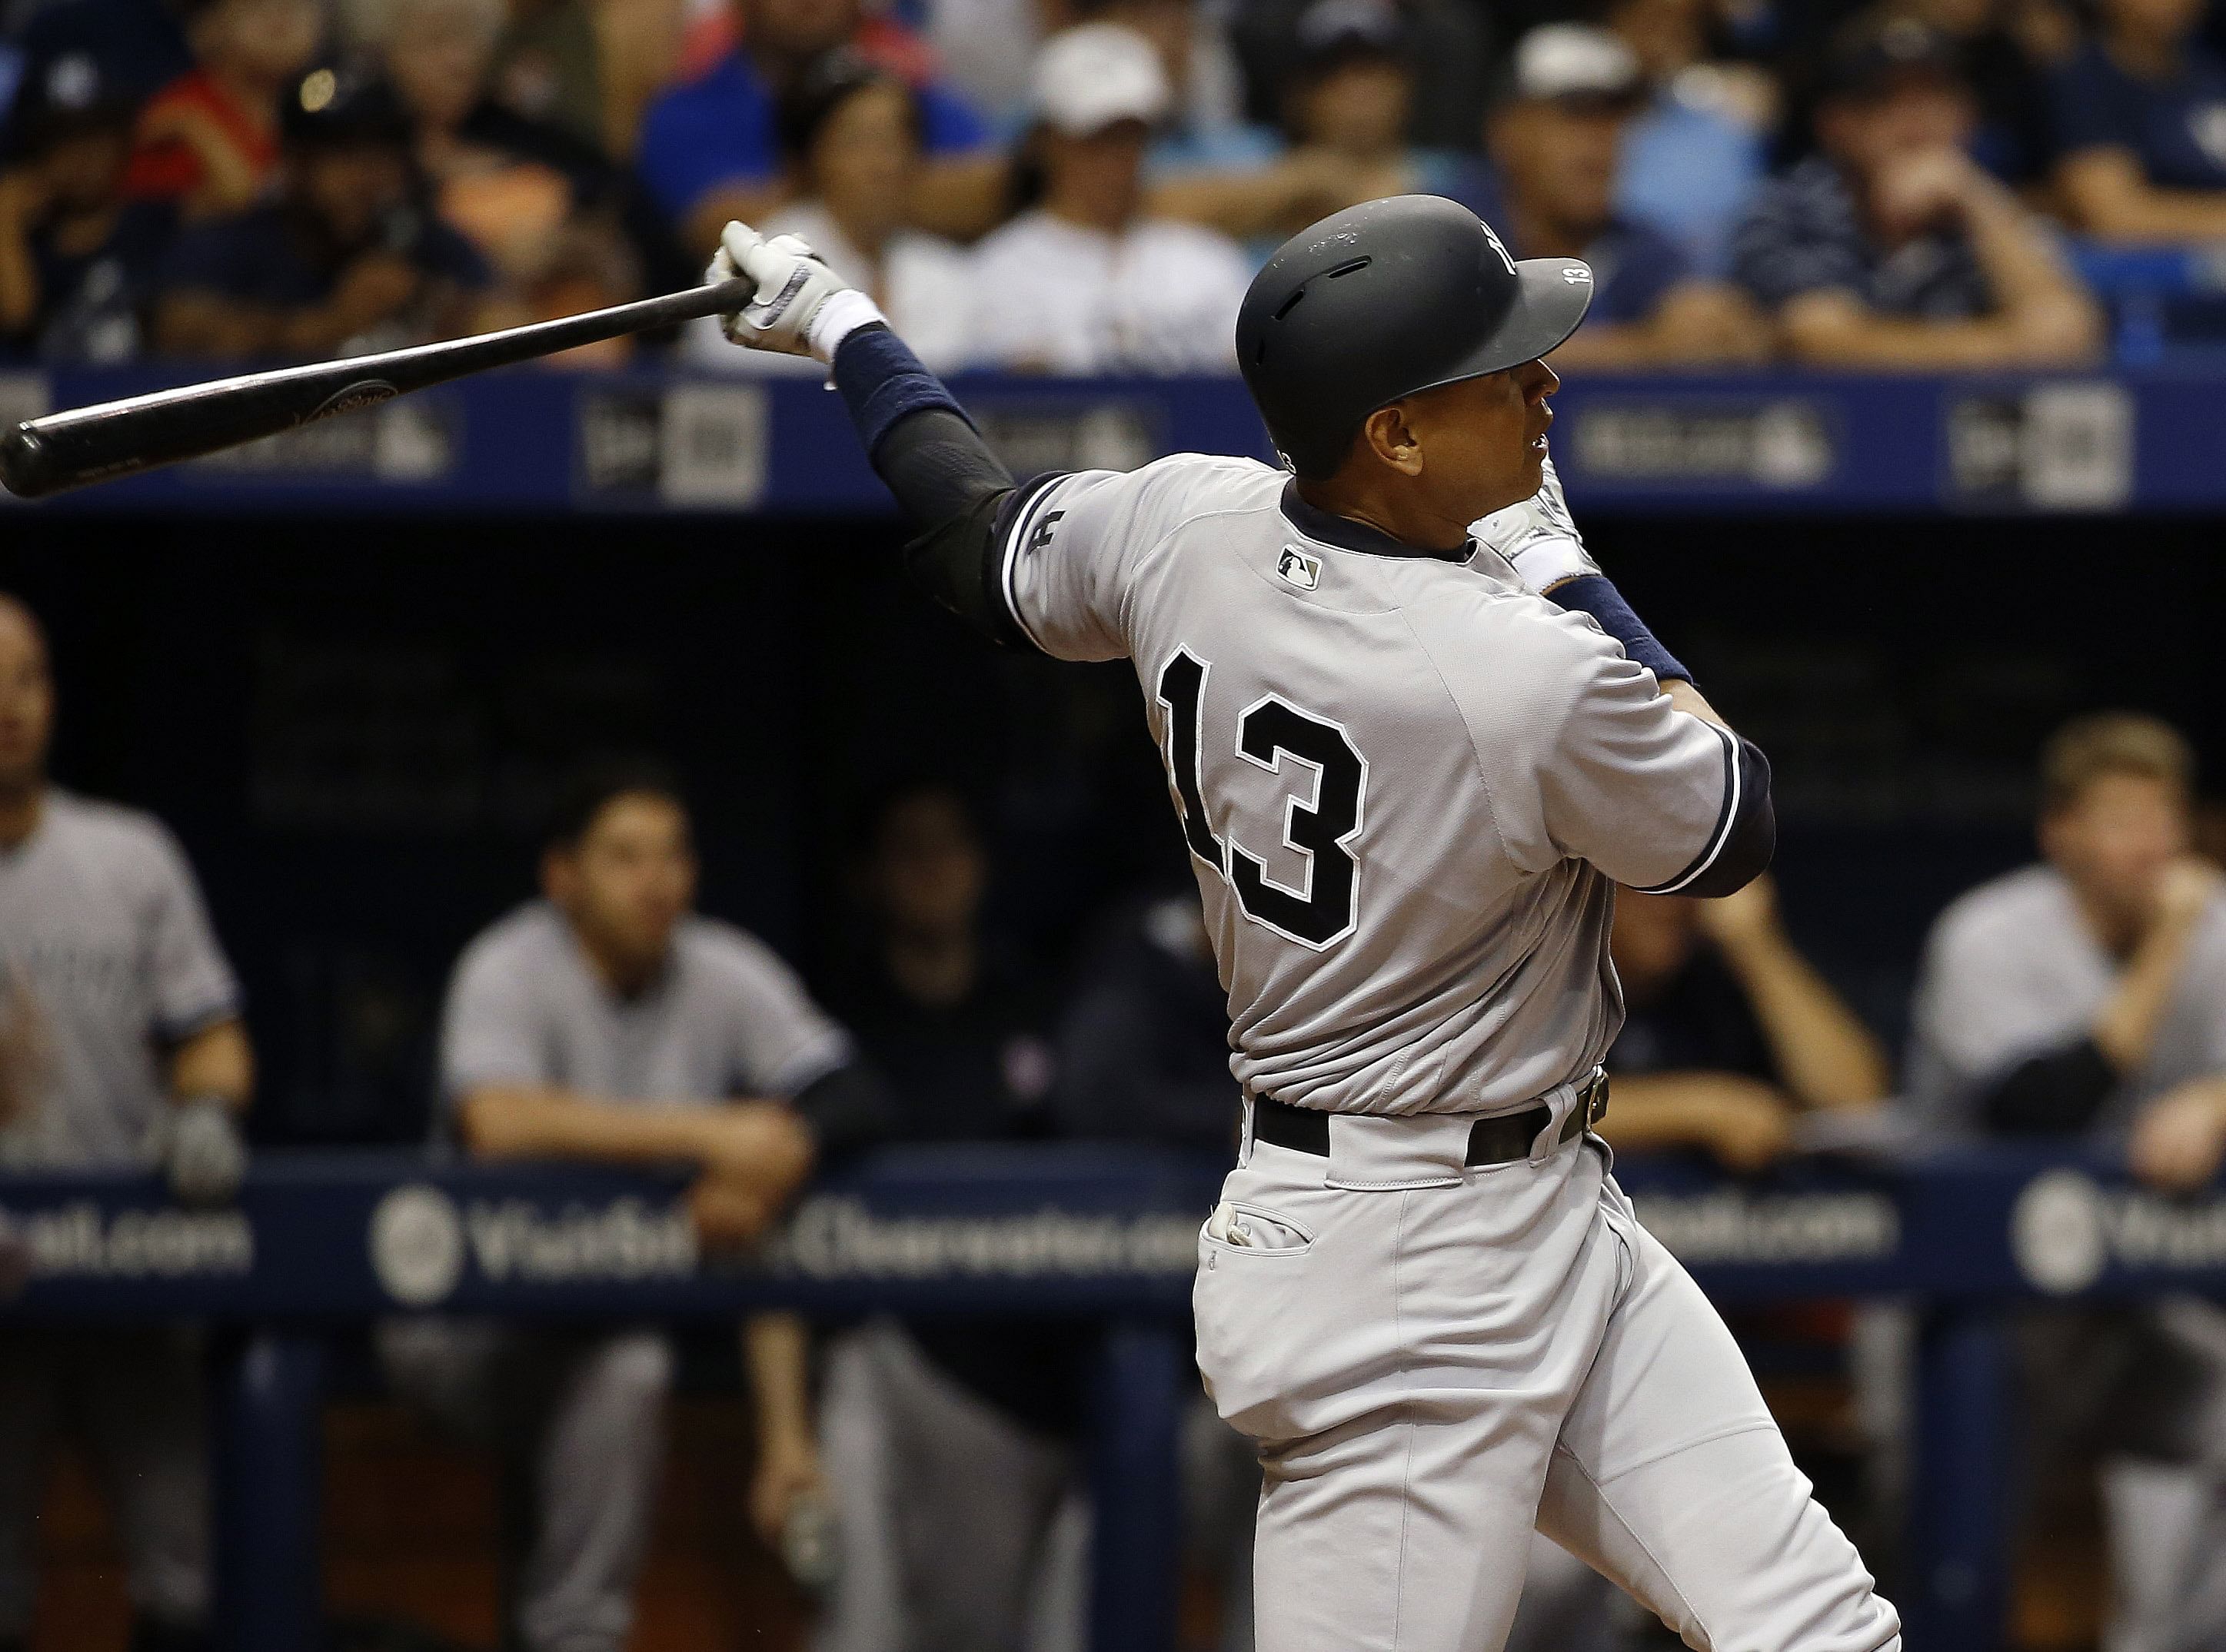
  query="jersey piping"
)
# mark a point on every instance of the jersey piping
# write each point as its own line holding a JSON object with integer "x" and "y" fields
{"x": 1725, "y": 818}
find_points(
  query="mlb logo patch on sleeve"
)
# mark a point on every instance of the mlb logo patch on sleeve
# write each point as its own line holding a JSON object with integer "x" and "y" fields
{"x": 1300, "y": 569}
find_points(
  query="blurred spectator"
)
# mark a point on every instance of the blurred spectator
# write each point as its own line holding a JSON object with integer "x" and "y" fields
{"x": 1347, "y": 107}
{"x": 120, "y": 1029}
{"x": 528, "y": 193}
{"x": 1555, "y": 141}
{"x": 1695, "y": 148}
{"x": 591, "y": 67}
{"x": 2007, "y": 49}
{"x": 2141, "y": 126}
{"x": 1728, "y": 1032}
{"x": 1448, "y": 44}
{"x": 950, "y": 1442}
{"x": 348, "y": 256}
{"x": 1143, "y": 1050}
{"x": 77, "y": 257}
{"x": 209, "y": 140}
{"x": 1351, "y": 91}
{"x": 1088, "y": 282}
{"x": 135, "y": 47}
{"x": 2081, "y": 998}
{"x": 852, "y": 134}
{"x": 608, "y": 1024}
{"x": 710, "y": 146}
{"x": 1892, "y": 248}
{"x": 1205, "y": 124}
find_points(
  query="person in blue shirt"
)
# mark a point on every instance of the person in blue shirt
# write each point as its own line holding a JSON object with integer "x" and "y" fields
{"x": 77, "y": 255}
{"x": 2140, "y": 121}
{"x": 1555, "y": 141}
{"x": 710, "y": 146}
{"x": 1892, "y": 248}
{"x": 1694, "y": 150}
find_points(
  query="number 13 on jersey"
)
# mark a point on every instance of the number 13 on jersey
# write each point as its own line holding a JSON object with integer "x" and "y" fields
{"x": 1319, "y": 826}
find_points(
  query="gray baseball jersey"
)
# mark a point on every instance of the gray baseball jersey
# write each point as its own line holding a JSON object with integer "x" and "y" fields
{"x": 104, "y": 939}
{"x": 1407, "y": 781}
{"x": 2011, "y": 971}
{"x": 727, "y": 1018}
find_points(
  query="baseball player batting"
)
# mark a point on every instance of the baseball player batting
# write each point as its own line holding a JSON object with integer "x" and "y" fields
{"x": 1412, "y": 758}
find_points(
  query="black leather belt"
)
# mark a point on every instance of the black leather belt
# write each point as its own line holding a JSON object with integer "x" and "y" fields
{"x": 1499, "y": 1140}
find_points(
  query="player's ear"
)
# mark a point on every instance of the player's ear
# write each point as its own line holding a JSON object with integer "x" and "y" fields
{"x": 1392, "y": 439}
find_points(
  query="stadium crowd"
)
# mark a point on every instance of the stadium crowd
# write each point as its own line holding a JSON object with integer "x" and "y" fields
{"x": 1084, "y": 186}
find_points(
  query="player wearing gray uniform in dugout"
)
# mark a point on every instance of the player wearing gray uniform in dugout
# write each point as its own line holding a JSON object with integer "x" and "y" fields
{"x": 121, "y": 1047}
{"x": 1409, "y": 783}
{"x": 2085, "y": 997}
{"x": 608, "y": 1024}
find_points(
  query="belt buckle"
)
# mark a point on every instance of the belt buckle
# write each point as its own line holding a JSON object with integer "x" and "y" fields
{"x": 1590, "y": 1109}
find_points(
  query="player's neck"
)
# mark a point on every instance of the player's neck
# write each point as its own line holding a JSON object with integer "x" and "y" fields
{"x": 20, "y": 808}
{"x": 1389, "y": 509}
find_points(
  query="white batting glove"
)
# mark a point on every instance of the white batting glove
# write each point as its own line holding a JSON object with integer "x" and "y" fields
{"x": 1538, "y": 538}
{"x": 802, "y": 306}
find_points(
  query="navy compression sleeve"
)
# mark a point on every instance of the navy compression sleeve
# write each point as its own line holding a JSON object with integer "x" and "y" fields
{"x": 935, "y": 463}
{"x": 1594, "y": 594}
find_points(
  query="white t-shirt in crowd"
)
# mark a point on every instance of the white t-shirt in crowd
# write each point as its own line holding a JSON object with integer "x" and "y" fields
{"x": 1160, "y": 297}
{"x": 925, "y": 290}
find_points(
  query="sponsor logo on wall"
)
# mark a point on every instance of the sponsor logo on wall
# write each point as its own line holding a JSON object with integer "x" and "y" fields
{"x": 1783, "y": 443}
{"x": 2067, "y": 1229}
{"x": 422, "y": 1242}
{"x": 1731, "y": 1225}
{"x": 80, "y": 1239}
{"x": 2054, "y": 446}
{"x": 838, "y": 1238}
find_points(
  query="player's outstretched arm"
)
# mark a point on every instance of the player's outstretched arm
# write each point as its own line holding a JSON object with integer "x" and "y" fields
{"x": 916, "y": 435}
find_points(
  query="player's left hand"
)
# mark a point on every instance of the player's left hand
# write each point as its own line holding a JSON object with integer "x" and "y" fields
{"x": 1539, "y": 537}
{"x": 792, "y": 282}
{"x": 2179, "y": 1139}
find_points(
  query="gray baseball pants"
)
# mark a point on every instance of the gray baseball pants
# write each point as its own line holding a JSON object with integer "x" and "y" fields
{"x": 136, "y": 1399}
{"x": 1436, "y": 1359}
{"x": 962, "y": 1530}
{"x": 577, "y": 1420}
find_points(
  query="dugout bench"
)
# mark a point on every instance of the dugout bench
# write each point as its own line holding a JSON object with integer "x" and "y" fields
{"x": 321, "y": 1240}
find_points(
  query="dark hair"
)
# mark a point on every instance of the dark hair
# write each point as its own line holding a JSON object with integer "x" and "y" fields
{"x": 65, "y": 98}
{"x": 821, "y": 89}
{"x": 597, "y": 784}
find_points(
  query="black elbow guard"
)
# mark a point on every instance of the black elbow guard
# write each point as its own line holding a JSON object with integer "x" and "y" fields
{"x": 957, "y": 564}
{"x": 1748, "y": 837}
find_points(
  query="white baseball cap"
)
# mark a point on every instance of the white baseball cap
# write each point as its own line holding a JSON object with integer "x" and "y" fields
{"x": 1574, "y": 60}
{"x": 1096, "y": 75}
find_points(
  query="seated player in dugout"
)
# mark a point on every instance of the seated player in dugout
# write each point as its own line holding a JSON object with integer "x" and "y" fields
{"x": 1729, "y": 1034}
{"x": 2083, "y": 998}
{"x": 1415, "y": 738}
{"x": 121, "y": 1048}
{"x": 608, "y": 1023}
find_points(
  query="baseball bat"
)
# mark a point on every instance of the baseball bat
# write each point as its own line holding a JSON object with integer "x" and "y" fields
{"x": 92, "y": 444}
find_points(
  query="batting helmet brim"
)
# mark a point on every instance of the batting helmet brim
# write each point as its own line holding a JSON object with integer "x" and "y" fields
{"x": 1552, "y": 296}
